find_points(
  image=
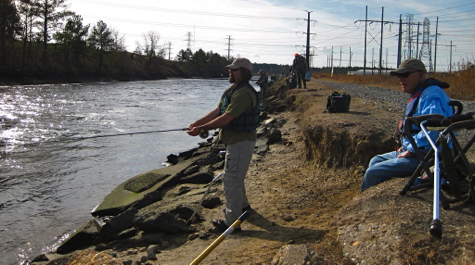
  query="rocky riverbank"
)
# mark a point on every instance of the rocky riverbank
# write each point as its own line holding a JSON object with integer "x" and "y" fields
{"x": 304, "y": 191}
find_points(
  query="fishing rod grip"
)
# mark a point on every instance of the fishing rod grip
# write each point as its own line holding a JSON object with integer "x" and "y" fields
{"x": 218, "y": 240}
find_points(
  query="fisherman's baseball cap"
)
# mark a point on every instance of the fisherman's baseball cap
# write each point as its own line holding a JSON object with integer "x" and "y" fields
{"x": 408, "y": 65}
{"x": 240, "y": 63}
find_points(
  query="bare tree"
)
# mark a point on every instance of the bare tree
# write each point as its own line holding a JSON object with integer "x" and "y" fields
{"x": 150, "y": 47}
{"x": 119, "y": 41}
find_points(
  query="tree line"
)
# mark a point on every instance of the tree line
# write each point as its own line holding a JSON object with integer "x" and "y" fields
{"x": 42, "y": 40}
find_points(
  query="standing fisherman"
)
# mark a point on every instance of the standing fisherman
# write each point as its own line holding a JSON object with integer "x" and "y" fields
{"x": 299, "y": 67}
{"x": 262, "y": 82}
{"x": 237, "y": 117}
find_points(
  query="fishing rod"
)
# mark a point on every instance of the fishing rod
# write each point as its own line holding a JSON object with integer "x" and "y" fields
{"x": 131, "y": 134}
{"x": 203, "y": 134}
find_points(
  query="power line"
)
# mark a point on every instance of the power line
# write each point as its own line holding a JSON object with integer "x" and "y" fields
{"x": 227, "y": 29}
{"x": 181, "y": 11}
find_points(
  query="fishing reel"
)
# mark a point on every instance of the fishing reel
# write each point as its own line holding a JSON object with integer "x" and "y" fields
{"x": 203, "y": 133}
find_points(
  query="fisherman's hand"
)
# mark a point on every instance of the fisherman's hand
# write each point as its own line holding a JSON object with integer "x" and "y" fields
{"x": 193, "y": 131}
{"x": 192, "y": 125}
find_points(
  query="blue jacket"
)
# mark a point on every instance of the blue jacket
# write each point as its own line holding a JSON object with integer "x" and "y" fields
{"x": 429, "y": 99}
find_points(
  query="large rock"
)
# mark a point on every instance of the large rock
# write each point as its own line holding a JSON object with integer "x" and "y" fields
{"x": 82, "y": 238}
{"x": 261, "y": 147}
{"x": 274, "y": 137}
{"x": 163, "y": 222}
{"x": 113, "y": 227}
{"x": 202, "y": 176}
{"x": 121, "y": 198}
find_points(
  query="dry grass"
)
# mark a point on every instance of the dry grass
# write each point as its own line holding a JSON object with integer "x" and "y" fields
{"x": 462, "y": 81}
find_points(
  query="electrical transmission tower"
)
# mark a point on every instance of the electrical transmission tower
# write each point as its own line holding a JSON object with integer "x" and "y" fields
{"x": 426, "y": 54}
{"x": 229, "y": 47}
{"x": 409, "y": 46}
{"x": 188, "y": 40}
{"x": 411, "y": 41}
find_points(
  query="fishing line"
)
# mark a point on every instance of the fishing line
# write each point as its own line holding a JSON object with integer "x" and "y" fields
{"x": 203, "y": 134}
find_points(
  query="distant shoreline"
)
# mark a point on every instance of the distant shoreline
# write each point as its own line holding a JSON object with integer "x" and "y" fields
{"x": 12, "y": 81}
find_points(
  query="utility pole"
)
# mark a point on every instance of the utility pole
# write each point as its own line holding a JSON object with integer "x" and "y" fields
{"x": 435, "y": 48}
{"x": 381, "y": 41}
{"x": 332, "y": 63}
{"x": 372, "y": 62}
{"x": 365, "y": 40}
{"x": 351, "y": 55}
{"x": 399, "y": 42}
{"x": 381, "y": 44}
{"x": 229, "y": 46}
{"x": 450, "y": 62}
{"x": 450, "y": 57}
{"x": 409, "y": 34}
{"x": 307, "y": 52}
{"x": 169, "y": 49}
{"x": 417, "y": 42}
{"x": 341, "y": 52}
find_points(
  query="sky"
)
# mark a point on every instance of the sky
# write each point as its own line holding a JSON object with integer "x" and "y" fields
{"x": 272, "y": 31}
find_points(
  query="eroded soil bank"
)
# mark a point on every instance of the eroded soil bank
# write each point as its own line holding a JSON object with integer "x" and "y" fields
{"x": 306, "y": 204}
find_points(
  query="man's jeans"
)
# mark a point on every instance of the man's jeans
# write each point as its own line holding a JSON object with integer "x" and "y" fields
{"x": 238, "y": 158}
{"x": 387, "y": 166}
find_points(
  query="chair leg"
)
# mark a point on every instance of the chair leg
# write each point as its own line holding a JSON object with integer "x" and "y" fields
{"x": 423, "y": 166}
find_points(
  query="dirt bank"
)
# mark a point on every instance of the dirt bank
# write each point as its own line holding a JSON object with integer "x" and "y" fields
{"x": 305, "y": 193}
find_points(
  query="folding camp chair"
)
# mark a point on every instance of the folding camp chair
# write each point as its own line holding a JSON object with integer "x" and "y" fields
{"x": 450, "y": 164}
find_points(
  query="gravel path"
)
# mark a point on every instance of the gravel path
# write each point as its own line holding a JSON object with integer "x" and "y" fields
{"x": 394, "y": 99}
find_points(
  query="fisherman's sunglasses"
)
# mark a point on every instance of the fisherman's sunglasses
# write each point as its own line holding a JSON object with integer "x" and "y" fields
{"x": 234, "y": 70}
{"x": 405, "y": 75}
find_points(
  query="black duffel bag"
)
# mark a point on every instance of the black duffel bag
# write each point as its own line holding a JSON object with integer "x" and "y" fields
{"x": 338, "y": 102}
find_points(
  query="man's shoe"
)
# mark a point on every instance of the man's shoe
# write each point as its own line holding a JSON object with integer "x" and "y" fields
{"x": 221, "y": 226}
{"x": 247, "y": 208}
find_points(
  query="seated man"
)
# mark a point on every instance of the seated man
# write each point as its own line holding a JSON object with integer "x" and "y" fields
{"x": 427, "y": 97}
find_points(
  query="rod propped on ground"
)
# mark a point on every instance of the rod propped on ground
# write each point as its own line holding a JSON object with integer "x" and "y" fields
{"x": 218, "y": 240}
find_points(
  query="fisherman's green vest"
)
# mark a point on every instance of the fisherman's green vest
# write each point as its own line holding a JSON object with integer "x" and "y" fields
{"x": 248, "y": 121}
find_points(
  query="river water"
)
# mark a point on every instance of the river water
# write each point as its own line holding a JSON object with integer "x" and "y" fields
{"x": 49, "y": 184}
